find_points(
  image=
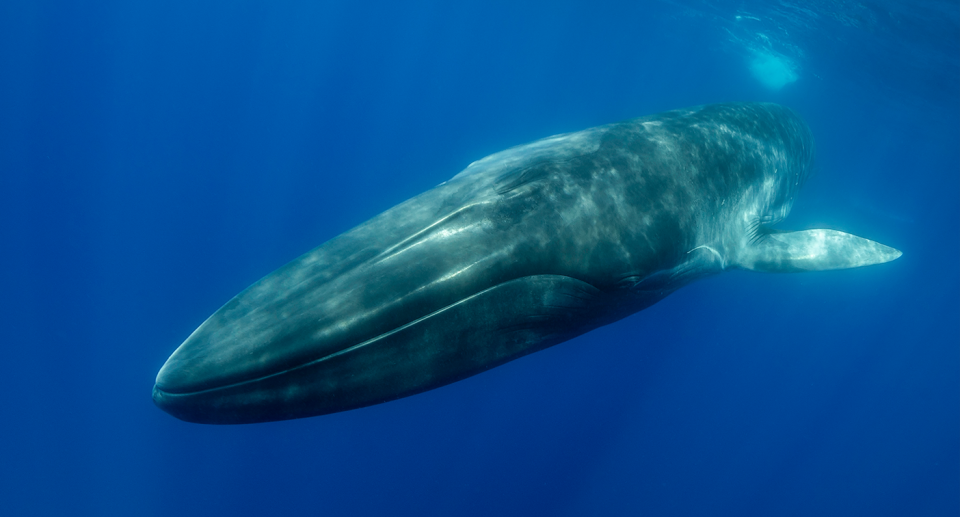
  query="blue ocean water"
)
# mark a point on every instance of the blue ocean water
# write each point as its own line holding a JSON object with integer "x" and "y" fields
{"x": 158, "y": 157}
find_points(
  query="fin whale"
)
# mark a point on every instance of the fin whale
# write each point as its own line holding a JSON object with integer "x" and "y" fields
{"x": 522, "y": 250}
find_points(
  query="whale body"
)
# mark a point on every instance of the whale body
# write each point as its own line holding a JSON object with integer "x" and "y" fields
{"x": 522, "y": 250}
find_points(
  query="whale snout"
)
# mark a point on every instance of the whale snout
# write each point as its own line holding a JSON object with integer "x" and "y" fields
{"x": 193, "y": 382}
{"x": 218, "y": 384}
{"x": 163, "y": 401}
{"x": 257, "y": 359}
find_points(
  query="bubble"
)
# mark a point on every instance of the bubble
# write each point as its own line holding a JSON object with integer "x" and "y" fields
{"x": 772, "y": 70}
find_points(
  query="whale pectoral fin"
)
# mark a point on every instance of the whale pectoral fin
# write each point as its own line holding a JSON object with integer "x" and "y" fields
{"x": 813, "y": 250}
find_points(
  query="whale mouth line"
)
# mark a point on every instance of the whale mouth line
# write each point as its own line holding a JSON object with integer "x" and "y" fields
{"x": 162, "y": 392}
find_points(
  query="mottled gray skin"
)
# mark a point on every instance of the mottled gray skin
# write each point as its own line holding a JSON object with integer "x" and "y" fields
{"x": 522, "y": 250}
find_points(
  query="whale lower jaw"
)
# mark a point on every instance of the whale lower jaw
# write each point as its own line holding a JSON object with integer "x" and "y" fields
{"x": 475, "y": 334}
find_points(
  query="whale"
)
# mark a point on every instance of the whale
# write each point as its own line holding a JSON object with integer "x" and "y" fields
{"x": 520, "y": 251}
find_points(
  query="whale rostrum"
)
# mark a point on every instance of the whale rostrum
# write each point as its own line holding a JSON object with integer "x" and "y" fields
{"x": 522, "y": 250}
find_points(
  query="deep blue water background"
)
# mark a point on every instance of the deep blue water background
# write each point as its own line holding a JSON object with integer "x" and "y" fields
{"x": 158, "y": 157}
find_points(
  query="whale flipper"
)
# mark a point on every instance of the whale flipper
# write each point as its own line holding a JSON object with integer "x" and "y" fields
{"x": 813, "y": 250}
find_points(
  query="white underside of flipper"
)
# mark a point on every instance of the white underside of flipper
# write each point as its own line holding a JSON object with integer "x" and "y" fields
{"x": 813, "y": 250}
